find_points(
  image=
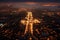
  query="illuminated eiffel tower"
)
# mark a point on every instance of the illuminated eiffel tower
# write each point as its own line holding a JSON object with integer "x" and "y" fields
{"x": 29, "y": 23}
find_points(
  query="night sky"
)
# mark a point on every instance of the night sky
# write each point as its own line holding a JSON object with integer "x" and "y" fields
{"x": 29, "y": 0}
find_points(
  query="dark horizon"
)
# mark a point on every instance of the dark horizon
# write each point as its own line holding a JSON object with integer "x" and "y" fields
{"x": 30, "y": 1}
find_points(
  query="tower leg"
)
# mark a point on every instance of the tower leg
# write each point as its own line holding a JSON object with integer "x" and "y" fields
{"x": 26, "y": 29}
{"x": 31, "y": 28}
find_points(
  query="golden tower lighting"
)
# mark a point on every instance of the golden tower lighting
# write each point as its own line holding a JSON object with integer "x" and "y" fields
{"x": 29, "y": 22}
